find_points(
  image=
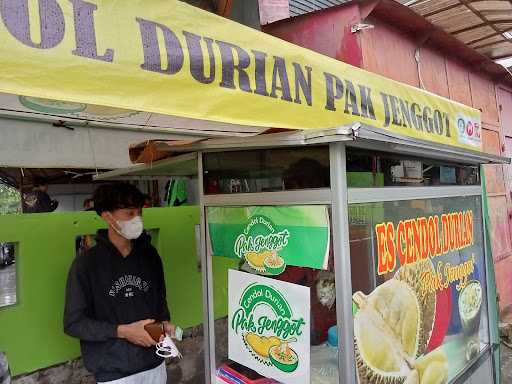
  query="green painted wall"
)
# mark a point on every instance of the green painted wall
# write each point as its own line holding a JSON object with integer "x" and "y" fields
{"x": 31, "y": 331}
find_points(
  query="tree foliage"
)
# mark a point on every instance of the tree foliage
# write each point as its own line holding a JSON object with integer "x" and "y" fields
{"x": 10, "y": 200}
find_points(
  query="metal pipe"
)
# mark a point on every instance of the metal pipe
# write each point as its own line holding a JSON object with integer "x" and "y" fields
{"x": 489, "y": 316}
{"x": 341, "y": 244}
{"x": 185, "y": 132}
{"x": 209, "y": 338}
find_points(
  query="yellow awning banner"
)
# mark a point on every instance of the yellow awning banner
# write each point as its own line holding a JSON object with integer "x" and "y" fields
{"x": 166, "y": 57}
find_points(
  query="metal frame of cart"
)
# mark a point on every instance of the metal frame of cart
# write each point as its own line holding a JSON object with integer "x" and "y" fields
{"x": 338, "y": 196}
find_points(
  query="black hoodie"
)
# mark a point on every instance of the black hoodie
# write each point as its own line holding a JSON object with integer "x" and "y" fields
{"x": 105, "y": 290}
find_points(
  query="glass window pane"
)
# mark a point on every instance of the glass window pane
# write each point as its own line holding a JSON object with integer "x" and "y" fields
{"x": 295, "y": 312}
{"x": 266, "y": 170}
{"x": 418, "y": 272}
{"x": 8, "y": 289}
{"x": 378, "y": 169}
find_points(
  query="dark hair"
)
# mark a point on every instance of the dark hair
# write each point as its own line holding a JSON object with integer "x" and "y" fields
{"x": 110, "y": 197}
{"x": 39, "y": 181}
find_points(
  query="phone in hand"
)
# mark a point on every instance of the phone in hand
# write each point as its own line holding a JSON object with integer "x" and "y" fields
{"x": 155, "y": 330}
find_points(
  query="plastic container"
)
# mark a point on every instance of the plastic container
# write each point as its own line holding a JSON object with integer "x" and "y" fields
{"x": 332, "y": 336}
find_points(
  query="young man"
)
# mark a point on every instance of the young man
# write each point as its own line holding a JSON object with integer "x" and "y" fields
{"x": 38, "y": 201}
{"x": 116, "y": 289}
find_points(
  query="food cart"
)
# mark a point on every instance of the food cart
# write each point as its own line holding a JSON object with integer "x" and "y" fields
{"x": 352, "y": 254}
{"x": 341, "y": 256}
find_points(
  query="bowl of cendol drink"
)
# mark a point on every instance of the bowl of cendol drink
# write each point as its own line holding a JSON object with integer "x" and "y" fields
{"x": 470, "y": 307}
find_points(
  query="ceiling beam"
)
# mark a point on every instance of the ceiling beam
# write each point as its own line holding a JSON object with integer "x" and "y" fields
{"x": 484, "y": 24}
{"x": 481, "y": 16}
{"x": 487, "y": 36}
{"x": 501, "y": 57}
{"x": 441, "y": 10}
{"x": 488, "y": 12}
{"x": 490, "y": 44}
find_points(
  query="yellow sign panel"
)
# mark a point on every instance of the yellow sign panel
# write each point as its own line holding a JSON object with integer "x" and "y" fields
{"x": 167, "y": 57}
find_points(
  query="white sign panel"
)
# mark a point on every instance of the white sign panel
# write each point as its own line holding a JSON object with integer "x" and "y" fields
{"x": 269, "y": 327}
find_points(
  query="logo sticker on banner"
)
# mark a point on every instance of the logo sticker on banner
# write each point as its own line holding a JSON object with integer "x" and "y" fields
{"x": 270, "y": 238}
{"x": 469, "y": 130}
{"x": 269, "y": 327}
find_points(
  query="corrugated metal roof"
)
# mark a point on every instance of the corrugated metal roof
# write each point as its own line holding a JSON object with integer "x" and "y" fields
{"x": 484, "y": 25}
{"x": 301, "y": 7}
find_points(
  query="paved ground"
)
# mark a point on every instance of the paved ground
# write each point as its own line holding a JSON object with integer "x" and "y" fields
{"x": 8, "y": 296}
{"x": 8, "y": 285}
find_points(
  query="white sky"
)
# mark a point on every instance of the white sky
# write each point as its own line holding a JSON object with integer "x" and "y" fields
{"x": 507, "y": 63}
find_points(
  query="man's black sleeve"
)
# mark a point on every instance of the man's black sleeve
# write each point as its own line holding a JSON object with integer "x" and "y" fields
{"x": 77, "y": 323}
{"x": 163, "y": 309}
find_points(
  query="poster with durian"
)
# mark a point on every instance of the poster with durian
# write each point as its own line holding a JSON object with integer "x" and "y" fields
{"x": 269, "y": 327}
{"x": 425, "y": 320}
{"x": 269, "y": 238}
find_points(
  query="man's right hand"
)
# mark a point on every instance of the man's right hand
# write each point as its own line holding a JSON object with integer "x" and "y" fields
{"x": 136, "y": 334}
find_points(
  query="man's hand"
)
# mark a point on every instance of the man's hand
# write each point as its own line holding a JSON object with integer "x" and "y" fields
{"x": 169, "y": 329}
{"x": 136, "y": 334}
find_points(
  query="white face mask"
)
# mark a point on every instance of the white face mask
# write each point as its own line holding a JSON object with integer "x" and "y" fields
{"x": 130, "y": 229}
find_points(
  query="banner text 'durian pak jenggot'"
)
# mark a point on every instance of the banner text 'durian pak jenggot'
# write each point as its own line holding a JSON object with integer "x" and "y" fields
{"x": 171, "y": 58}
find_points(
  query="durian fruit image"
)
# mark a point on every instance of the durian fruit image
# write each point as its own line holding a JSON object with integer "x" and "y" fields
{"x": 256, "y": 260}
{"x": 412, "y": 275}
{"x": 260, "y": 346}
{"x": 435, "y": 373}
{"x": 429, "y": 369}
{"x": 437, "y": 356}
{"x": 413, "y": 377}
{"x": 387, "y": 329}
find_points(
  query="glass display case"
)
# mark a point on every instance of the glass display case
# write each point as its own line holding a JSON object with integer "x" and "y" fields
{"x": 331, "y": 263}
